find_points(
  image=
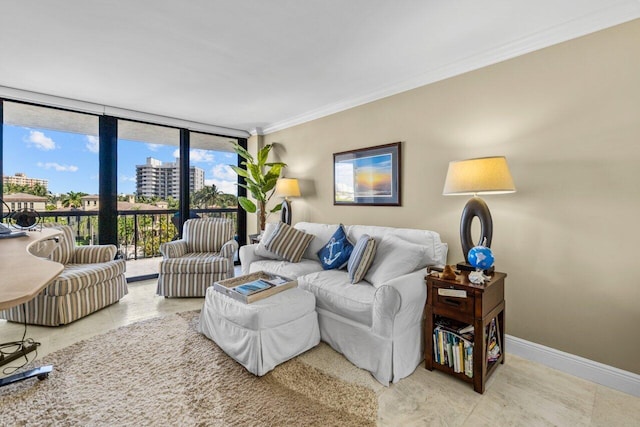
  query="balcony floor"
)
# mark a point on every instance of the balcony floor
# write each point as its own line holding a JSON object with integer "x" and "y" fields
{"x": 143, "y": 267}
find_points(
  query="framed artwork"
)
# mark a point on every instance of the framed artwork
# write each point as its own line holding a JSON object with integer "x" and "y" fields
{"x": 368, "y": 176}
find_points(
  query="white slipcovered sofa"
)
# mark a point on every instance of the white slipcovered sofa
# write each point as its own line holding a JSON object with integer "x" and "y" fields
{"x": 376, "y": 323}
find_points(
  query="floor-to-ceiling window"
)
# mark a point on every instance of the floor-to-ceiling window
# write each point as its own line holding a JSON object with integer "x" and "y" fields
{"x": 50, "y": 164}
{"x": 55, "y": 162}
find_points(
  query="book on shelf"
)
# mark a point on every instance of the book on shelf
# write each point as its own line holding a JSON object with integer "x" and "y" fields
{"x": 460, "y": 328}
{"x": 452, "y": 350}
{"x": 493, "y": 341}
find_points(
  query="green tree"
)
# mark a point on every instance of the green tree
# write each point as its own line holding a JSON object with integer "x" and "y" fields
{"x": 72, "y": 199}
{"x": 207, "y": 196}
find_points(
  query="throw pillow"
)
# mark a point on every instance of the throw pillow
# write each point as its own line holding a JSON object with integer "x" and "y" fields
{"x": 395, "y": 257}
{"x": 361, "y": 258}
{"x": 288, "y": 242}
{"x": 336, "y": 252}
{"x": 267, "y": 235}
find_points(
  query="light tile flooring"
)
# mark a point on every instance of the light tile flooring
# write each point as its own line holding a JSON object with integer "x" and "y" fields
{"x": 519, "y": 393}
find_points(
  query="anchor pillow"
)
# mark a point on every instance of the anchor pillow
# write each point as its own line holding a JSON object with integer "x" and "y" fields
{"x": 336, "y": 252}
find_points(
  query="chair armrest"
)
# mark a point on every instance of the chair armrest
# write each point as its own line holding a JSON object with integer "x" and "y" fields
{"x": 93, "y": 254}
{"x": 399, "y": 303}
{"x": 229, "y": 249}
{"x": 174, "y": 249}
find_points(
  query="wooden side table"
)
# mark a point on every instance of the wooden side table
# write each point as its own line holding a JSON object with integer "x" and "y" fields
{"x": 472, "y": 304}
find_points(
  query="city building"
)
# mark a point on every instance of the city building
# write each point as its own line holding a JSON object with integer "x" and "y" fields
{"x": 19, "y": 201}
{"x": 162, "y": 179}
{"x": 22, "y": 179}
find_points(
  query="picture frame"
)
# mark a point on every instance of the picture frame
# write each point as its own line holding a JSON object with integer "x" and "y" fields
{"x": 368, "y": 176}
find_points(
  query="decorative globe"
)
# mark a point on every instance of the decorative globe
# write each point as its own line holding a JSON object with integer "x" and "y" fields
{"x": 481, "y": 257}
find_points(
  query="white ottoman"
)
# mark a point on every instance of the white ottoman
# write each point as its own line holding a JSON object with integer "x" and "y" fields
{"x": 265, "y": 333}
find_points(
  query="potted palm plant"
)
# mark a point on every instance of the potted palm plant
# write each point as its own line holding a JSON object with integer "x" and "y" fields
{"x": 260, "y": 180}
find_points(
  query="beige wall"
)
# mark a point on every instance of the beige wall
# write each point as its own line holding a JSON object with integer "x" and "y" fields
{"x": 568, "y": 120}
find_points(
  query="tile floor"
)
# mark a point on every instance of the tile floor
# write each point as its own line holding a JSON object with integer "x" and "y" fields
{"x": 519, "y": 393}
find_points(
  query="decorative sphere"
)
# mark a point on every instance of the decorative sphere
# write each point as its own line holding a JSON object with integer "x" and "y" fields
{"x": 481, "y": 257}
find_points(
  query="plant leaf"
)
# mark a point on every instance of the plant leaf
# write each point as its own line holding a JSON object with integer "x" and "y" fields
{"x": 242, "y": 152}
{"x": 242, "y": 172}
{"x": 263, "y": 154}
{"x": 247, "y": 204}
{"x": 277, "y": 208}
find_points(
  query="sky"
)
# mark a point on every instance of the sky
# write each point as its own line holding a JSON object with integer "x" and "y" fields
{"x": 69, "y": 161}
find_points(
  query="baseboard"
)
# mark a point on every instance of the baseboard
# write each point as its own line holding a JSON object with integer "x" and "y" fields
{"x": 599, "y": 373}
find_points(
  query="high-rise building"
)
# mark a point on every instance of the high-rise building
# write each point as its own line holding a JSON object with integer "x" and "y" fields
{"x": 22, "y": 179}
{"x": 162, "y": 179}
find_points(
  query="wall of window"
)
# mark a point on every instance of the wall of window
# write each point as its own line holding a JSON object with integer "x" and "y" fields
{"x": 122, "y": 176}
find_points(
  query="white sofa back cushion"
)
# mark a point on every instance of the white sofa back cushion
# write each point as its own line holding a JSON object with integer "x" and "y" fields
{"x": 322, "y": 233}
{"x": 395, "y": 257}
{"x": 435, "y": 250}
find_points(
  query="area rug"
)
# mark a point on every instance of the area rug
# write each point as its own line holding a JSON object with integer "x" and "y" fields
{"x": 162, "y": 372}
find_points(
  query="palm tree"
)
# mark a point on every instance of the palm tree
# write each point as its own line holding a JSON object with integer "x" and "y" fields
{"x": 207, "y": 196}
{"x": 72, "y": 199}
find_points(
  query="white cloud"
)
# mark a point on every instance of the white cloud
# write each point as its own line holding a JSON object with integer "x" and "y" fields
{"x": 227, "y": 187}
{"x": 58, "y": 167}
{"x": 40, "y": 141}
{"x": 92, "y": 144}
{"x": 224, "y": 172}
{"x": 153, "y": 147}
{"x": 125, "y": 178}
{"x": 197, "y": 155}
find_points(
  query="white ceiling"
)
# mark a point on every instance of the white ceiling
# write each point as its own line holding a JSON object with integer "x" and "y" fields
{"x": 267, "y": 65}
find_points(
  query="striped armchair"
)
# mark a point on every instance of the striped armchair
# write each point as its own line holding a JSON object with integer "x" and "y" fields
{"x": 91, "y": 280}
{"x": 203, "y": 255}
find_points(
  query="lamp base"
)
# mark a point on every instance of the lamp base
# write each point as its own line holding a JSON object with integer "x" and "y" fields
{"x": 463, "y": 266}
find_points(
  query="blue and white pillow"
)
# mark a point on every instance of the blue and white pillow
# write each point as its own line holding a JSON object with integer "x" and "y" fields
{"x": 336, "y": 252}
{"x": 361, "y": 258}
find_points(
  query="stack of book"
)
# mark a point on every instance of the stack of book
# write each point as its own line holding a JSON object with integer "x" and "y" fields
{"x": 453, "y": 345}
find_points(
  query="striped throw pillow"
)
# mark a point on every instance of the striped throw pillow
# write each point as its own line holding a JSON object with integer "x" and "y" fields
{"x": 361, "y": 258}
{"x": 288, "y": 242}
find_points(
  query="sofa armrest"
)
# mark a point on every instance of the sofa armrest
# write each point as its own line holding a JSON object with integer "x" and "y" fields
{"x": 229, "y": 249}
{"x": 248, "y": 255}
{"x": 174, "y": 249}
{"x": 399, "y": 303}
{"x": 93, "y": 254}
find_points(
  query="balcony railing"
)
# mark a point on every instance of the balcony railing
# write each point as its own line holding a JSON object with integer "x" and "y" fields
{"x": 140, "y": 233}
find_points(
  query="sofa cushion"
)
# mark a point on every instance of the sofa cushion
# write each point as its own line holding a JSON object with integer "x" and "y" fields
{"x": 336, "y": 251}
{"x": 200, "y": 262}
{"x": 394, "y": 257}
{"x": 322, "y": 233}
{"x": 335, "y": 293}
{"x": 267, "y": 235}
{"x": 79, "y": 276}
{"x": 361, "y": 258}
{"x": 288, "y": 242}
{"x": 436, "y": 250}
{"x": 285, "y": 268}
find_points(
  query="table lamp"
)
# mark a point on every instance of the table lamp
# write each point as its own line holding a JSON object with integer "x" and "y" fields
{"x": 287, "y": 187}
{"x": 485, "y": 175}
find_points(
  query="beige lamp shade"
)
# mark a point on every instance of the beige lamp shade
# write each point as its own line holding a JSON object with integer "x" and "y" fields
{"x": 485, "y": 175}
{"x": 287, "y": 187}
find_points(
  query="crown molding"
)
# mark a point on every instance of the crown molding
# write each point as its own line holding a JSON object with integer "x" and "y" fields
{"x": 621, "y": 12}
